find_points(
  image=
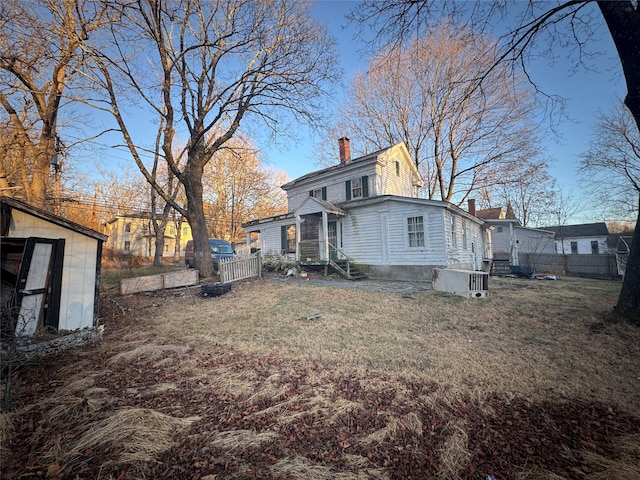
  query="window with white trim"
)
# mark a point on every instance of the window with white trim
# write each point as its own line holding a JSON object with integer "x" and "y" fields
{"x": 356, "y": 187}
{"x": 454, "y": 238}
{"x": 464, "y": 234}
{"x": 415, "y": 231}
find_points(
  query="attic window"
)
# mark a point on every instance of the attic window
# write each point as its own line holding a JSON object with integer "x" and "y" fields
{"x": 397, "y": 169}
{"x": 127, "y": 227}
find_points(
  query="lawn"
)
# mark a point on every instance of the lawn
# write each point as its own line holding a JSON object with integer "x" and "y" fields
{"x": 287, "y": 380}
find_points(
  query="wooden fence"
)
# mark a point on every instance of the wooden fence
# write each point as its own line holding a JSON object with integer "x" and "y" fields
{"x": 605, "y": 265}
{"x": 238, "y": 268}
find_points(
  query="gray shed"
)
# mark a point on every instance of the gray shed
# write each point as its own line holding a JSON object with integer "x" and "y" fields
{"x": 50, "y": 270}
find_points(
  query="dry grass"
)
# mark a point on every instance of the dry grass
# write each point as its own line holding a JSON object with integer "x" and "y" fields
{"x": 138, "y": 435}
{"x": 529, "y": 338}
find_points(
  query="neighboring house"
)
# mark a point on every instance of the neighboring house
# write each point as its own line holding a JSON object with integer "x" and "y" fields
{"x": 367, "y": 210}
{"x": 133, "y": 234}
{"x": 587, "y": 238}
{"x": 509, "y": 237}
{"x": 50, "y": 270}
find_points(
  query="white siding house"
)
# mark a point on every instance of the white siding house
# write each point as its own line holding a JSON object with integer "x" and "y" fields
{"x": 367, "y": 210}
{"x": 50, "y": 269}
{"x": 585, "y": 238}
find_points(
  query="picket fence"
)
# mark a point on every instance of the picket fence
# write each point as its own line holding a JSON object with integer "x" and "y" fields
{"x": 238, "y": 268}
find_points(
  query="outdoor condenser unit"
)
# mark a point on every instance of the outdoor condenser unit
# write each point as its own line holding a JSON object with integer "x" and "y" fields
{"x": 466, "y": 283}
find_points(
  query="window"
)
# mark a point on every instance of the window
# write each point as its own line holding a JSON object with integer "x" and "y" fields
{"x": 415, "y": 229}
{"x": 185, "y": 231}
{"x": 127, "y": 246}
{"x": 454, "y": 239}
{"x": 499, "y": 229}
{"x": 358, "y": 187}
{"x": 127, "y": 227}
{"x": 288, "y": 238}
{"x": 145, "y": 229}
{"x": 397, "y": 169}
{"x": 594, "y": 247}
{"x": 319, "y": 193}
{"x": 574, "y": 247}
{"x": 464, "y": 234}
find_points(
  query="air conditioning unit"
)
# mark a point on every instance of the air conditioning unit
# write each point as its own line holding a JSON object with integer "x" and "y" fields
{"x": 466, "y": 283}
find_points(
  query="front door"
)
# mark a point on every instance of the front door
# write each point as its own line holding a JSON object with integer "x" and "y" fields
{"x": 332, "y": 237}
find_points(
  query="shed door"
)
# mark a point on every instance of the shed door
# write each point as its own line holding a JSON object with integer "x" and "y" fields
{"x": 38, "y": 286}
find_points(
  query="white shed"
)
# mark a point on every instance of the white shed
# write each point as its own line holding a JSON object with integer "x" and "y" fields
{"x": 50, "y": 270}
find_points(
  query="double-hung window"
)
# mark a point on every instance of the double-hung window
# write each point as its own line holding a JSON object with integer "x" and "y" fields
{"x": 415, "y": 230}
{"x": 357, "y": 187}
{"x": 454, "y": 237}
{"x": 464, "y": 234}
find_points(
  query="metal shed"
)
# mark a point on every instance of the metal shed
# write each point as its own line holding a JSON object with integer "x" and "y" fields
{"x": 50, "y": 270}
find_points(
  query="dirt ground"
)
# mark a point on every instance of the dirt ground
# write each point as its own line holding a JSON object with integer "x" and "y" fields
{"x": 141, "y": 404}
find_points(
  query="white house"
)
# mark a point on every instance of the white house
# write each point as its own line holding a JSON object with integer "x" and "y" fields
{"x": 367, "y": 211}
{"x": 50, "y": 270}
{"x": 509, "y": 237}
{"x": 586, "y": 238}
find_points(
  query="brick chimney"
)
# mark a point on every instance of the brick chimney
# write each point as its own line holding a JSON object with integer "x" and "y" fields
{"x": 345, "y": 151}
{"x": 472, "y": 206}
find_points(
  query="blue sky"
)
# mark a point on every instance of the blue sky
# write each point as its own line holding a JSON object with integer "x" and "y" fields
{"x": 586, "y": 92}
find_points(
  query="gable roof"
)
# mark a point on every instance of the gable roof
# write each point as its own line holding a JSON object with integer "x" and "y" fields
{"x": 320, "y": 206}
{"x": 369, "y": 157}
{"x": 580, "y": 230}
{"x": 8, "y": 203}
{"x": 490, "y": 213}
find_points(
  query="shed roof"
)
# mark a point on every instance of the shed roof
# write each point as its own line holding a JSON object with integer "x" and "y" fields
{"x": 8, "y": 203}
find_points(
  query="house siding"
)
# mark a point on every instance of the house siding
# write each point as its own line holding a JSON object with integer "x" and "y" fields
{"x": 584, "y": 245}
{"x": 380, "y": 170}
{"x": 459, "y": 255}
{"x": 78, "y": 292}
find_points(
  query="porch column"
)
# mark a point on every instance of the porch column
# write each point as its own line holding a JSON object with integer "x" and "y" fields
{"x": 248, "y": 241}
{"x": 325, "y": 234}
{"x": 514, "y": 247}
{"x": 297, "y": 237}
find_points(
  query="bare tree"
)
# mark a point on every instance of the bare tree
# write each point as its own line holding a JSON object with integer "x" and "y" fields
{"x": 545, "y": 26}
{"x": 426, "y": 96}
{"x": 611, "y": 167}
{"x": 202, "y": 69}
{"x": 527, "y": 186}
{"x": 40, "y": 52}
{"x": 238, "y": 188}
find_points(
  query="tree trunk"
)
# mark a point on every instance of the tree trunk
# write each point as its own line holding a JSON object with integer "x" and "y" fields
{"x": 628, "y": 305}
{"x": 192, "y": 181}
{"x": 623, "y": 21}
{"x": 157, "y": 257}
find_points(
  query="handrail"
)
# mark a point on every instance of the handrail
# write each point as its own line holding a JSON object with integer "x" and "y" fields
{"x": 346, "y": 257}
